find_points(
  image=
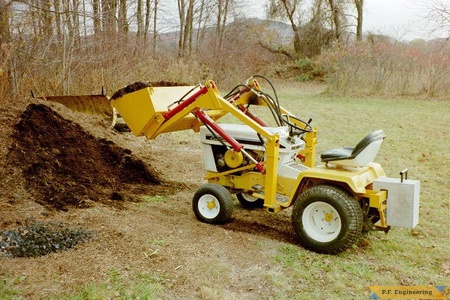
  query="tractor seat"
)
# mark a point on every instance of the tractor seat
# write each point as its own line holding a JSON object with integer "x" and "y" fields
{"x": 362, "y": 154}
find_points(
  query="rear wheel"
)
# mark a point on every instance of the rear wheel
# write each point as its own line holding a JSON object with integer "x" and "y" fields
{"x": 212, "y": 203}
{"x": 327, "y": 219}
{"x": 248, "y": 201}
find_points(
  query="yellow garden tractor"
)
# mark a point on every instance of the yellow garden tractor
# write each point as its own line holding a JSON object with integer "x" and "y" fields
{"x": 274, "y": 167}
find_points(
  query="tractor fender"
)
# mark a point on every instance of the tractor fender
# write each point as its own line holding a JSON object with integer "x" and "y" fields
{"x": 355, "y": 180}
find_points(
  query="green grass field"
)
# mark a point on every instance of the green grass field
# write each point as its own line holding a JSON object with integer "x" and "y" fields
{"x": 418, "y": 138}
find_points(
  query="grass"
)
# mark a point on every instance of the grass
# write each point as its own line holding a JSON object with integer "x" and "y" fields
{"x": 153, "y": 199}
{"x": 145, "y": 286}
{"x": 418, "y": 139}
{"x": 8, "y": 291}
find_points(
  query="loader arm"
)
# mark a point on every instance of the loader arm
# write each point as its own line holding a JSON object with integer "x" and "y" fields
{"x": 152, "y": 111}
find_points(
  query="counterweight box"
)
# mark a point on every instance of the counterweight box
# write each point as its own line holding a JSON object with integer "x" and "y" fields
{"x": 402, "y": 201}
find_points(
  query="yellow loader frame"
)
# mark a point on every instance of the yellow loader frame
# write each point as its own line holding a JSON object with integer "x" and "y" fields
{"x": 152, "y": 111}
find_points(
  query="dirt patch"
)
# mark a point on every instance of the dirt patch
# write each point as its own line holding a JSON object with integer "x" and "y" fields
{"x": 64, "y": 166}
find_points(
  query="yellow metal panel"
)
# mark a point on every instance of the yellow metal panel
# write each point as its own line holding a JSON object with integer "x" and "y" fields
{"x": 140, "y": 109}
{"x": 163, "y": 97}
{"x": 89, "y": 104}
{"x": 356, "y": 178}
{"x": 287, "y": 186}
{"x": 136, "y": 109}
{"x": 246, "y": 181}
{"x": 309, "y": 152}
{"x": 272, "y": 156}
{"x": 377, "y": 199}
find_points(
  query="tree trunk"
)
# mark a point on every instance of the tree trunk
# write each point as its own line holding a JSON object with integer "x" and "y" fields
{"x": 187, "y": 39}
{"x": 336, "y": 19}
{"x": 359, "y": 19}
{"x": 139, "y": 20}
{"x": 222, "y": 16}
{"x": 123, "y": 21}
{"x": 76, "y": 22}
{"x": 108, "y": 15}
{"x": 5, "y": 36}
{"x": 148, "y": 10}
{"x": 96, "y": 14}
{"x": 155, "y": 28}
{"x": 199, "y": 25}
{"x": 47, "y": 17}
{"x": 6, "y": 87}
{"x": 58, "y": 23}
{"x": 182, "y": 16}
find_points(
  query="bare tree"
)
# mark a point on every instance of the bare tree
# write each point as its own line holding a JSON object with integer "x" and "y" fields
{"x": 186, "y": 15}
{"x": 223, "y": 9}
{"x": 182, "y": 18}
{"x": 4, "y": 21}
{"x": 201, "y": 14}
{"x": 359, "y": 4}
{"x": 58, "y": 22}
{"x": 109, "y": 8}
{"x": 288, "y": 9}
{"x": 188, "y": 29}
{"x": 139, "y": 19}
{"x": 122, "y": 19}
{"x": 96, "y": 16}
{"x": 336, "y": 22}
{"x": 438, "y": 15}
{"x": 6, "y": 86}
{"x": 311, "y": 31}
{"x": 155, "y": 23}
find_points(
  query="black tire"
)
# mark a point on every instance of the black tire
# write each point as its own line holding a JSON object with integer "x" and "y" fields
{"x": 249, "y": 202}
{"x": 327, "y": 219}
{"x": 212, "y": 203}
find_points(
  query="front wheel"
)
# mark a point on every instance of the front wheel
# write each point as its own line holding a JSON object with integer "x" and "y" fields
{"x": 327, "y": 219}
{"x": 212, "y": 203}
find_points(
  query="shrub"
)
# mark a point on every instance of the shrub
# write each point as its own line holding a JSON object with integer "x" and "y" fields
{"x": 394, "y": 69}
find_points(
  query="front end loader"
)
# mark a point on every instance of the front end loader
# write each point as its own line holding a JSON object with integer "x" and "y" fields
{"x": 274, "y": 167}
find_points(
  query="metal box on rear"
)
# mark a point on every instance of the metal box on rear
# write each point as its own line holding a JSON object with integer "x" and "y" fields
{"x": 402, "y": 200}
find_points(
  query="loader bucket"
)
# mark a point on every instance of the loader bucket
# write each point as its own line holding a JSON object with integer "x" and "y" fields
{"x": 141, "y": 108}
{"x": 89, "y": 104}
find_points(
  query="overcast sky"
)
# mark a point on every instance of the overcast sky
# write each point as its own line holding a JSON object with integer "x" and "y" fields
{"x": 400, "y": 19}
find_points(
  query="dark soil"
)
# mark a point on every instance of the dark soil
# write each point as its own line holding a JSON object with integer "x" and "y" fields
{"x": 139, "y": 85}
{"x": 64, "y": 166}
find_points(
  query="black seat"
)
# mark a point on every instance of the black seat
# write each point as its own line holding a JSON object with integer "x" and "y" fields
{"x": 363, "y": 153}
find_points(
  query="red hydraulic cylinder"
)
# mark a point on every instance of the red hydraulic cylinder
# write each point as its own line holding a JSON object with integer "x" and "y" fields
{"x": 235, "y": 144}
{"x": 169, "y": 114}
{"x": 252, "y": 116}
{"x": 208, "y": 121}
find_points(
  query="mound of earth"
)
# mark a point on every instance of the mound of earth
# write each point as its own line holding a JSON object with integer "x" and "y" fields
{"x": 64, "y": 166}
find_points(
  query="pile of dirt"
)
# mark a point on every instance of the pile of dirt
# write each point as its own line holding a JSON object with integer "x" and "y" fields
{"x": 64, "y": 166}
{"x": 40, "y": 238}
